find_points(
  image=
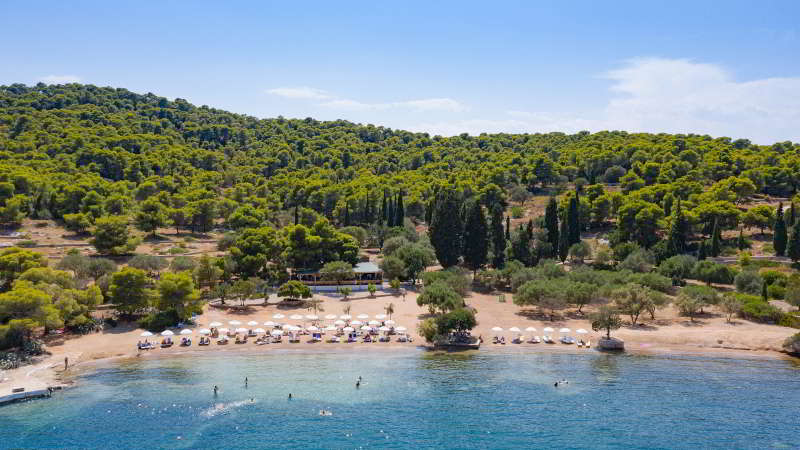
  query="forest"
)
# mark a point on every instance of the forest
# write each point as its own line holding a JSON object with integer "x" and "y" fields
{"x": 301, "y": 193}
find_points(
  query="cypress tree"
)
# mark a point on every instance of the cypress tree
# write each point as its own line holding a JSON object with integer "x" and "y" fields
{"x": 678, "y": 232}
{"x": 573, "y": 222}
{"x": 498, "y": 238}
{"x": 764, "y": 293}
{"x": 741, "y": 242}
{"x": 669, "y": 199}
{"x": 563, "y": 241}
{"x": 779, "y": 236}
{"x": 792, "y": 218}
{"x": 383, "y": 208}
{"x": 551, "y": 224}
{"x": 347, "y": 214}
{"x": 296, "y": 215}
{"x": 508, "y": 228}
{"x": 476, "y": 238}
{"x": 429, "y": 208}
{"x": 529, "y": 229}
{"x": 399, "y": 212}
{"x": 446, "y": 229}
{"x": 701, "y": 254}
{"x": 390, "y": 213}
{"x": 793, "y": 249}
{"x": 716, "y": 239}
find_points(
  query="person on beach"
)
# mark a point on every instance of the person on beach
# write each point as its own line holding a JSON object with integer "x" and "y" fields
{"x": 66, "y": 362}
{"x": 358, "y": 384}
{"x": 215, "y": 390}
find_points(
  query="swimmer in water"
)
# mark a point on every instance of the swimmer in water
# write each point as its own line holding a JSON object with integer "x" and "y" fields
{"x": 290, "y": 396}
{"x": 215, "y": 390}
{"x": 245, "y": 382}
{"x": 358, "y": 383}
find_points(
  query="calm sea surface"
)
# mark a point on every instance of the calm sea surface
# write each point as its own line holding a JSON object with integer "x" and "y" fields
{"x": 414, "y": 399}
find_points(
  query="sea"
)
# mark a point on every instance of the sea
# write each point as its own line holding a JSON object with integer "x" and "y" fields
{"x": 414, "y": 399}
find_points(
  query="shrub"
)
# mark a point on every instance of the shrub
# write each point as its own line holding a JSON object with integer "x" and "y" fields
{"x": 226, "y": 241}
{"x": 776, "y": 291}
{"x": 757, "y": 310}
{"x": 27, "y": 243}
{"x": 773, "y": 276}
{"x": 392, "y": 244}
{"x": 516, "y": 212}
{"x": 652, "y": 280}
{"x": 639, "y": 260}
{"x": 712, "y": 272}
{"x": 748, "y": 282}
{"x": 677, "y": 267}
{"x": 177, "y": 250}
{"x": 159, "y": 321}
{"x": 453, "y": 277}
{"x": 621, "y": 251}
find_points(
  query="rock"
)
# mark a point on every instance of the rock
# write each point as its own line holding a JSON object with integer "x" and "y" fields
{"x": 613, "y": 344}
{"x": 792, "y": 344}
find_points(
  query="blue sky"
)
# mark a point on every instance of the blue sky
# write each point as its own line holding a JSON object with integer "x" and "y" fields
{"x": 723, "y": 68}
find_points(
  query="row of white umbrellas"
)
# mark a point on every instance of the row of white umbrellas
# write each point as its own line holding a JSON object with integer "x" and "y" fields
{"x": 546, "y": 330}
{"x": 291, "y": 328}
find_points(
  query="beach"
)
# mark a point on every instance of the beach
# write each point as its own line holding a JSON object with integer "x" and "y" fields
{"x": 668, "y": 333}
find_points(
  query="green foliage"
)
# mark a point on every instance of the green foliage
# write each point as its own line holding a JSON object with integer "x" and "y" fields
{"x": 580, "y": 251}
{"x": 779, "y": 237}
{"x": 755, "y": 309}
{"x": 392, "y": 244}
{"x": 793, "y": 248}
{"x": 498, "y": 238}
{"x": 151, "y": 215}
{"x": 337, "y": 271}
{"x": 639, "y": 260}
{"x": 446, "y": 229}
{"x": 183, "y": 263}
{"x": 458, "y": 320}
{"x": 440, "y": 297}
{"x": 14, "y": 261}
{"x": 158, "y": 321}
{"x": 415, "y": 257}
{"x": 78, "y": 223}
{"x": 749, "y": 282}
{"x": 711, "y": 272}
{"x": 606, "y": 319}
{"x": 129, "y": 291}
{"x": 112, "y": 237}
{"x": 678, "y": 267}
{"x": 453, "y": 277}
{"x": 294, "y": 290}
{"x": 476, "y": 238}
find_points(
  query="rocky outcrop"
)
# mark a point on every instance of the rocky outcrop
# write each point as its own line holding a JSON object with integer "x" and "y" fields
{"x": 792, "y": 345}
{"x": 611, "y": 345}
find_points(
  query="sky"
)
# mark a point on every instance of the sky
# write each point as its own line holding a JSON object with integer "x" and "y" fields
{"x": 727, "y": 68}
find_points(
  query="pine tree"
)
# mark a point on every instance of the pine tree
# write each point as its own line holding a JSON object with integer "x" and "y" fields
{"x": 508, "y": 228}
{"x": 551, "y": 224}
{"x": 498, "y": 238}
{"x": 573, "y": 222}
{"x": 446, "y": 229}
{"x": 702, "y": 253}
{"x": 296, "y": 215}
{"x": 793, "y": 249}
{"x": 476, "y": 238}
{"x": 779, "y": 236}
{"x": 741, "y": 243}
{"x": 716, "y": 239}
{"x": 678, "y": 232}
{"x": 400, "y": 211}
{"x": 563, "y": 240}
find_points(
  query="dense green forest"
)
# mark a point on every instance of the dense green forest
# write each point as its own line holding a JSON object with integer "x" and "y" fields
{"x": 308, "y": 194}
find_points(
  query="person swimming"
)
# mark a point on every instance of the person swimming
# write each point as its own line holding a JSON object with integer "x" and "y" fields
{"x": 323, "y": 412}
{"x": 290, "y": 395}
{"x": 358, "y": 383}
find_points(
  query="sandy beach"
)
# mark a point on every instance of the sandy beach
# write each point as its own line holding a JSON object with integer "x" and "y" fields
{"x": 668, "y": 333}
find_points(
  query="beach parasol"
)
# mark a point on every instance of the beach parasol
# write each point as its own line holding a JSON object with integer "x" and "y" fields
{"x": 277, "y": 332}
{"x": 374, "y": 322}
{"x": 345, "y": 317}
{"x": 366, "y": 328}
{"x": 296, "y": 317}
{"x": 205, "y": 331}
{"x": 312, "y": 328}
{"x": 356, "y": 323}
{"x": 278, "y": 316}
{"x": 146, "y": 334}
{"x": 223, "y": 330}
{"x": 384, "y": 329}
{"x": 564, "y": 330}
{"x": 363, "y": 316}
{"x": 234, "y": 322}
{"x": 348, "y": 329}
{"x": 389, "y": 322}
{"x": 215, "y": 324}
{"x": 241, "y": 330}
{"x": 339, "y": 323}
{"x": 330, "y": 328}
{"x": 514, "y": 330}
{"x": 497, "y": 329}
{"x": 312, "y": 317}
{"x": 269, "y": 323}
{"x": 330, "y": 317}
{"x": 259, "y": 331}
{"x": 167, "y": 333}
{"x": 548, "y": 330}
{"x": 186, "y": 331}
{"x": 581, "y": 331}
{"x": 380, "y": 316}
{"x": 400, "y": 329}
{"x": 252, "y": 323}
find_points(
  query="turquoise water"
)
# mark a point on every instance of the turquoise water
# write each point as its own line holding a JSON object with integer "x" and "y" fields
{"x": 414, "y": 399}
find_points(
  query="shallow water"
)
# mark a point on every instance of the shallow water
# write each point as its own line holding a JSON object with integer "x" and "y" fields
{"x": 414, "y": 399}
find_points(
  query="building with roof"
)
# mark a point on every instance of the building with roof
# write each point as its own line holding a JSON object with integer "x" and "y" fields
{"x": 364, "y": 273}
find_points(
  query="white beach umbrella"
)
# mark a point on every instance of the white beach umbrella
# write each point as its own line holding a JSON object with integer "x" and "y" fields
{"x": 564, "y": 330}
{"x": 146, "y": 334}
{"x": 380, "y": 316}
{"x": 339, "y": 323}
{"x": 581, "y": 331}
{"x": 167, "y": 333}
{"x": 215, "y": 324}
{"x": 384, "y": 329}
{"x": 312, "y": 317}
{"x": 204, "y": 331}
{"x": 234, "y": 323}
{"x": 312, "y": 328}
{"x": 356, "y": 323}
{"x": 277, "y": 332}
{"x": 363, "y": 316}
{"x": 330, "y": 316}
{"x": 296, "y": 317}
{"x": 269, "y": 323}
{"x": 259, "y": 331}
{"x": 252, "y": 323}
{"x": 186, "y": 331}
{"x": 241, "y": 330}
{"x": 348, "y": 329}
{"x": 529, "y": 329}
{"x": 389, "y": 322}
{"x": 548, "y": 330}
{"x": 400, "y": 329}
{"x": 374, "y": 322}
{"x": 330, "y": 328}
{"x": 497, "y": 329}
{"x": 294, "y": 328}
{"x": 345, "y": 317}
{"x": 514, "y": 330}
{"x": 278, "y": 316}
{"x": 366, "y": 328}
{"x": 223, "y": 330}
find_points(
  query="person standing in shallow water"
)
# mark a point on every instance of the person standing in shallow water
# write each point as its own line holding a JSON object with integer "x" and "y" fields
{"x": 245, "y": 382}
{"x": 215, "y": 390}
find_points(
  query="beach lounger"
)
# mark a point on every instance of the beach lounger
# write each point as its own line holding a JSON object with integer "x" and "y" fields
{"x": 517, "y": 340}
{"x": 588, "y": 344}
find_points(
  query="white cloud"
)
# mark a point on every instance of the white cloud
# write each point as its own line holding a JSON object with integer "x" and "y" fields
{"x": 345, "y": 104}
{"x": 304, "y": 92}
{"x": 60, "y": 79}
